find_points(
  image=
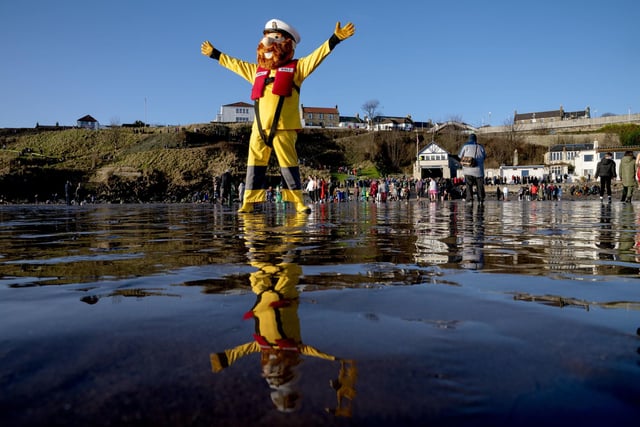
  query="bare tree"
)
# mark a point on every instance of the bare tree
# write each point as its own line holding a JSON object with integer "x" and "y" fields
{"x": 115, "y": 133}
{"x": 513, "y": 129}
{"x": 456, "y": 118}
{"x": 395, "y": 147}
{"x": 370, "y": 109}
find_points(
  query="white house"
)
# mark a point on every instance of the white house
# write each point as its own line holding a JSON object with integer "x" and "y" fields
{"x": 352, "y": 122}
{"x": 88, "y": 122}
{"x": 583, "y": 157}
{"x": 238, "y": 112}
{"x": 434, "y": 162}
{"x": 524, "y": 173}
{"x": 393, "y": 123}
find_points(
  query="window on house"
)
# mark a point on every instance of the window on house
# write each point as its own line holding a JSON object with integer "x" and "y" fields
{"x": 588, "y": 157}
{"x": 556, "y": 170}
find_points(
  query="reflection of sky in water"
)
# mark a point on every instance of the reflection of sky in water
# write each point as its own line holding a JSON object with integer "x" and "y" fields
{"x": 568, "y": 240}
{"x": 518, "y": 311}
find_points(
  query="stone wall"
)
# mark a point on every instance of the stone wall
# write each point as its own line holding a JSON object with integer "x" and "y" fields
{"x": 562, "y": 126}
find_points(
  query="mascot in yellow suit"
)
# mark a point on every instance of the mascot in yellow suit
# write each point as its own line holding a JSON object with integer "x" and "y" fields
{"x": 276, "y": 80}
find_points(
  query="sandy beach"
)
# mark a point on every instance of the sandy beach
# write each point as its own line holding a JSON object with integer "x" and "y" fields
{"x": 518, "y": 341}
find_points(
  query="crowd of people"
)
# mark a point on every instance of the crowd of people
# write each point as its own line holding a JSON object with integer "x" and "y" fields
{"x": 389, "y": 189}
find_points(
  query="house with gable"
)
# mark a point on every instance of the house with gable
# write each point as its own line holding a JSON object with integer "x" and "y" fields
{"x": 88, "y": 122}
{"x": 393, "y": 123}
{"x": 238, "y": 112}
{"x": 434, "y": 162}
{"x": 323, "y": 117}
{"x": 354, "y": 122}
{"x": 550, "y": 116}
{"x": 579, "y": 159}
{"x": 452, "y": 127}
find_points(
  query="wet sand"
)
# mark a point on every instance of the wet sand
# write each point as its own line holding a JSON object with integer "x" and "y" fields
{"x": 457, "y": 348}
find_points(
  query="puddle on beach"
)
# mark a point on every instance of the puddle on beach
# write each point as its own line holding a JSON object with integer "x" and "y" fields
{"x": 407, "y": 313}
{"x": 93, "y": 244}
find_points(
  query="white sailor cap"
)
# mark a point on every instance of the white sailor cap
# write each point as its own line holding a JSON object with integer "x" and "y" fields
{"x": 278, "y": 26}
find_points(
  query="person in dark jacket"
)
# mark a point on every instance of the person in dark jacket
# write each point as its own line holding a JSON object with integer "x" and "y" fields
{"x": 225, "y": 188}
{"x": 606, "y": 171}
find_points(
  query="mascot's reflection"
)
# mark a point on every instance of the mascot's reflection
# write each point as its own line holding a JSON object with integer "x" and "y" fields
{"x": 277, "y": 335}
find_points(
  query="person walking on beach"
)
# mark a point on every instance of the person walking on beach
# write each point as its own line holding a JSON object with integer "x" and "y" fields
{"x": 67, "y": 192}
{"x": 373, "y": 190}
{"x": 240, "y": 190}
{"x": 606, "y": 171}
{"x": 311, "y": 188}
{"x": 638, "y": 169}
{"x": 628, "y": 176}
{"x": 473, "y": 169}
{"x": 225, "y": 188}
{"x": 433, "y": 190}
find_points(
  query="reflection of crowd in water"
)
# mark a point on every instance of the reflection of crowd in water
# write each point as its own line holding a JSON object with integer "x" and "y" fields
{"x": 621, "y": 242}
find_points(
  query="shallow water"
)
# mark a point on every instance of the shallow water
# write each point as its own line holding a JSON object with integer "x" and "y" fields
{"x": 511, "y": 313}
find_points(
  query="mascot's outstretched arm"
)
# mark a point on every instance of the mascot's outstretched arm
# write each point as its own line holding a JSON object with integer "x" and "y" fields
{"x": 206, "y": 48}
{"x": 345, "y": 32}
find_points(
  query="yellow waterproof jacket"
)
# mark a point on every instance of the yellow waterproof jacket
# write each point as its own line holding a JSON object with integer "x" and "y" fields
{"x": 290, "y": 115}
{"x": 276, "y": 314}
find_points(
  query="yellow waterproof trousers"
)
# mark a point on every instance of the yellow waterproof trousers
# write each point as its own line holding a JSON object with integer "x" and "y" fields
{"x": 284, "y": 145}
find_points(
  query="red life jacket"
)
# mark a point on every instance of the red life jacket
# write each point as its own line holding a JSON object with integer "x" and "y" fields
{"x": 282, "y": 83}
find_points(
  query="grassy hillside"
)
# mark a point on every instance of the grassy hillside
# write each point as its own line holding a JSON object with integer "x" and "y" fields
{"x": 124, "y": 164}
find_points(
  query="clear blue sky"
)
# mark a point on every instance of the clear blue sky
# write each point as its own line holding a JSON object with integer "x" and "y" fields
{"x": 477, "y": 61}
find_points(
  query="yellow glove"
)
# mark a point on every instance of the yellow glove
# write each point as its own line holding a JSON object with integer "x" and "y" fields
{"x": 206, "y": 48}
{"x": 344, "y": 32}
